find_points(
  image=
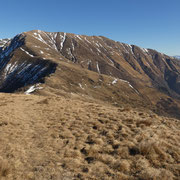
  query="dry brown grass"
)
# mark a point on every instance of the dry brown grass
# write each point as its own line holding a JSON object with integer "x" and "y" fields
{"x": 61, "y": 138}
{"x": 4, "y": 169}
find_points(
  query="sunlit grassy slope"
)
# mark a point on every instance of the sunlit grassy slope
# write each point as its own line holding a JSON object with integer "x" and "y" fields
{"x": 53, "y": 137}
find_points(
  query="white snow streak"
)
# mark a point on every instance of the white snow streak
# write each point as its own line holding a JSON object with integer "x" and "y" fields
{"x": 72, "y": 46}
{"x": 78, "y": 37}
{"x": 63, "y": 38}
{"x": 26, "y": 52}
{"x": 130, "y": 48}
{"x": 129, "y": 85}
{"x": 10, "y": 68}
{"x": 144, "y": 50}
{"x": 87, "y": 40}
{"x": 98, "y": 68}
{"x": 32, "y": 89}
{"x": 80, "y": 85}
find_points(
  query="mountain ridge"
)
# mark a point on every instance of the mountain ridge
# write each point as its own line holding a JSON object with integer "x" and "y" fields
{"x": 98, "y": 61}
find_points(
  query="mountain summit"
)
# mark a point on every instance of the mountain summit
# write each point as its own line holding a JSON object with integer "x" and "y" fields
{"x": 91, "y": 66}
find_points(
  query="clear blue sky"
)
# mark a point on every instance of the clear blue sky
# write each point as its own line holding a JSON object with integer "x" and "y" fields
{"x": 148, "y": 23}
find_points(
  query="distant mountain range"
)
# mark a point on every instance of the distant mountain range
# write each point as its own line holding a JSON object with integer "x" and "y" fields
{"x": 91, "y": 66}
{"x": 177, "y": 57}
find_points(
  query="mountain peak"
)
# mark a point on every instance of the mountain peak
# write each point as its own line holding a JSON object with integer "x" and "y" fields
{"x": 95, "y": 66}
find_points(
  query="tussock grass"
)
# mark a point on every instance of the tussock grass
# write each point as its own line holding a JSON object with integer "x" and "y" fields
{"x": 4, "y": 168}
{"x": 60, "y": 138}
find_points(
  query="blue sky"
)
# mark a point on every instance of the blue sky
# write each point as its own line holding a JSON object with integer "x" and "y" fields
{"x": 147, "y": 23}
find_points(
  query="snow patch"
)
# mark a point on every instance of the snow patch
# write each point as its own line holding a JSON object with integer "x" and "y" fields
{"x": 32, "y": 89}
{"x": 115, "y": 81}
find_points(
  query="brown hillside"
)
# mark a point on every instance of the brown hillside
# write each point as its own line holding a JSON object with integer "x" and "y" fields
{"x": 67, "y": 138}
{"x": 92, "y": 66}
